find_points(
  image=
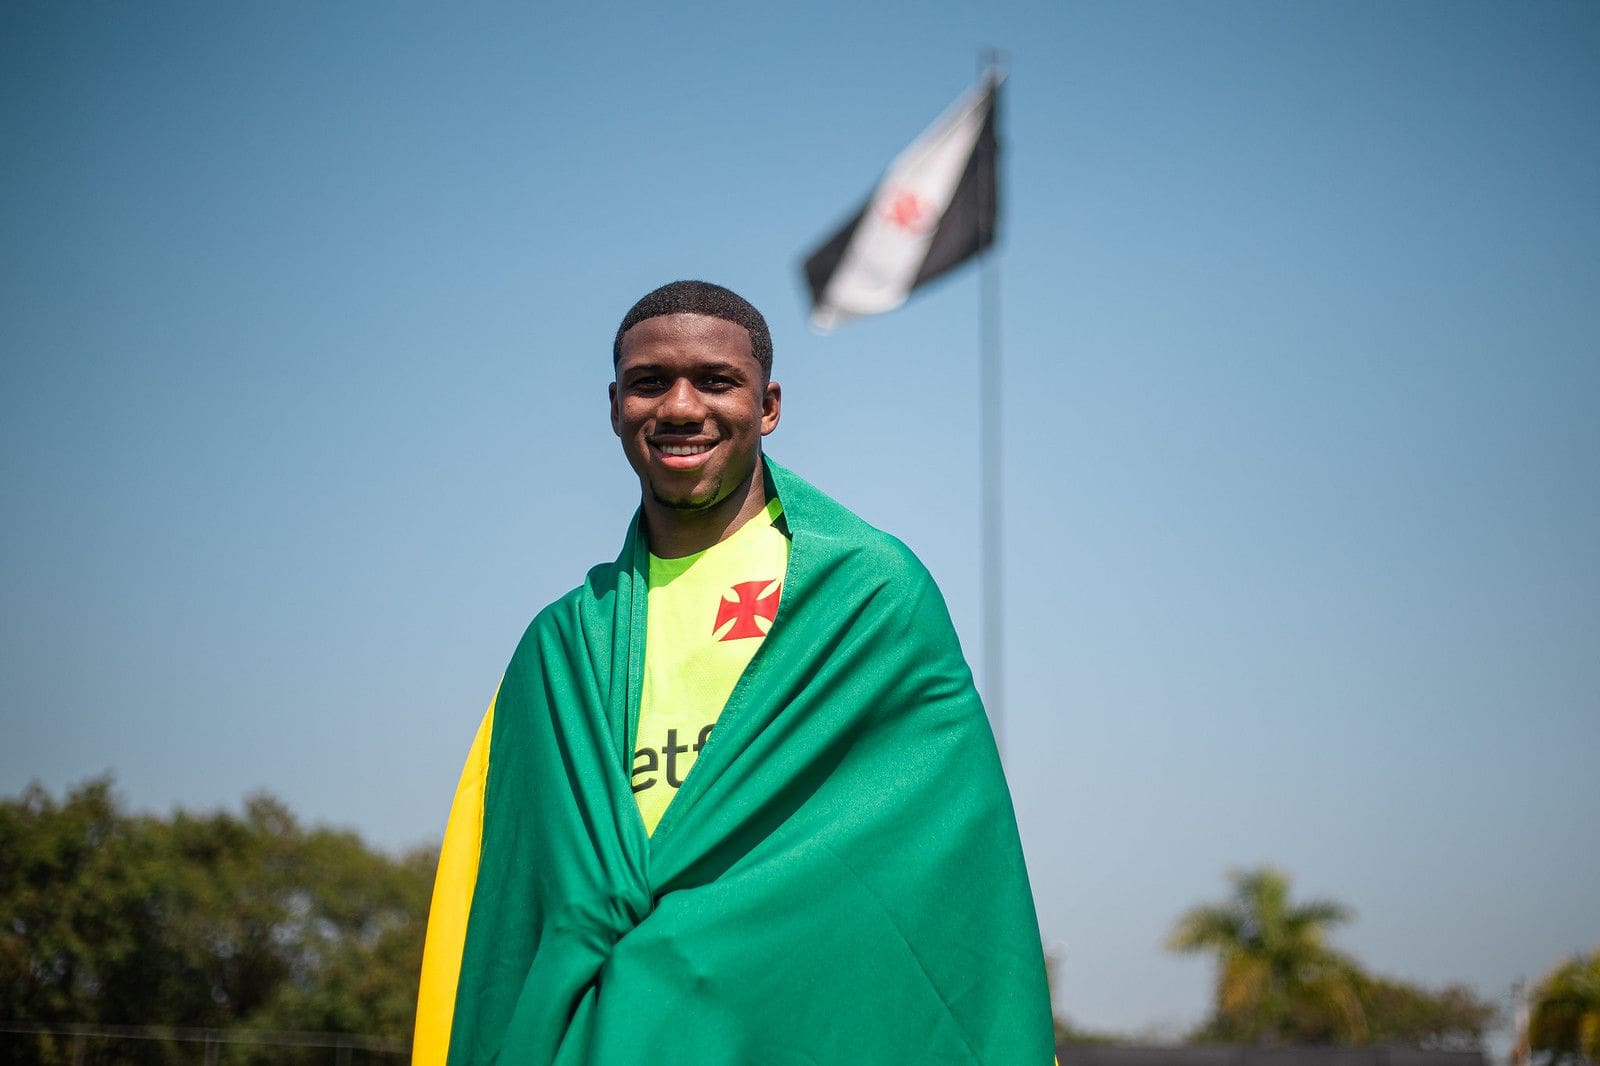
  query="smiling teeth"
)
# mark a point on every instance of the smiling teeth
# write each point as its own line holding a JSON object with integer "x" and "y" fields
{"x": 683, "y": 449}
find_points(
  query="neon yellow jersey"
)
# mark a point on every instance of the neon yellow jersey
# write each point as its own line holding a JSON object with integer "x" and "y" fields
{"x": 707, "y": 615}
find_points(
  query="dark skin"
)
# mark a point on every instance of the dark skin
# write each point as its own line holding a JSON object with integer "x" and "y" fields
{"x": 691, "y": 404}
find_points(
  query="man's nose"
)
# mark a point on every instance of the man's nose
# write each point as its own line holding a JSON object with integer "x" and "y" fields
{"x": 682, "y": 403}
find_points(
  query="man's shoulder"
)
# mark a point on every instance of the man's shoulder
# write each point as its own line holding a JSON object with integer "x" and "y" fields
{"x": 817, "y": 517}
{"x": 560, "y": 607}
{"x": 884, "y": 552}
{"x": 563, "y": 620}
{"x": 598, "y": 584}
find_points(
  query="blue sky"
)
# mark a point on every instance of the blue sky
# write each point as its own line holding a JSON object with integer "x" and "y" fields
{"x": 304, "y": 323}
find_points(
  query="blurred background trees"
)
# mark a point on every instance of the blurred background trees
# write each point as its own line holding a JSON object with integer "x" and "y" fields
{"x": 1277, "y": 979}
{"x": 1564, "y": 1014}
{"x": 1279, "y": 982}
{"x": 214, "y": 921}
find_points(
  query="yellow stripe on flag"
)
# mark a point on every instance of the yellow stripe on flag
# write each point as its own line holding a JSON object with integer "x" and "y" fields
{"x": 452, "y": 903}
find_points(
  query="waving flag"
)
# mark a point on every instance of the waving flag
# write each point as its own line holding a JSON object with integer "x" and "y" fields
{"x": 934, "y": 208}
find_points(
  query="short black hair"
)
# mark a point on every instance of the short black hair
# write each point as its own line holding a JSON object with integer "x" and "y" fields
{"x": 700, "y": 298}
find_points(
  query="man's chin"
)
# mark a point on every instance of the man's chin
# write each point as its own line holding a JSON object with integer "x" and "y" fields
{"x": 686, "y": 504}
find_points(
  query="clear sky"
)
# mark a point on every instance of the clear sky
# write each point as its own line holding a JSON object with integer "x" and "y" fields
{"x": 305, "y": 313}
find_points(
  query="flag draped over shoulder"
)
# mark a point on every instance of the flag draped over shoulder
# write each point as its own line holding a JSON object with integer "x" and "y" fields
{"x": 839, "y": 879}
{"x": 934, "y": 208}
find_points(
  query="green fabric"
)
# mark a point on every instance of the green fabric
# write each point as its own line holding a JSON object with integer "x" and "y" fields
{"x": 839, "y": 879}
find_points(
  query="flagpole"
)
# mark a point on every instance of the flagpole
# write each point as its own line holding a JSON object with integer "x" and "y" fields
{"x": 992, "y": 500}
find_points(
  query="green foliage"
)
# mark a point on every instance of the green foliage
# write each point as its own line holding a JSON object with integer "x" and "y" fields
{"x": 206, "y": 921}
{"x": 1278, "y": 981}
{"x": 1564, "y": 1013}
{"x": 1452, "y": 1018}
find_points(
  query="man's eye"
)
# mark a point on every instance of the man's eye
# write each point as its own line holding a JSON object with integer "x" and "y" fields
{"x": 718, "y": 383}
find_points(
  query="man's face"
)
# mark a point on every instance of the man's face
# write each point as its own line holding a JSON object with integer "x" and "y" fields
{"x": 691, "y": 407}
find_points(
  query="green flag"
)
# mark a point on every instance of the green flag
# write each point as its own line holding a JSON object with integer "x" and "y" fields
{"x": 838, "y": 880}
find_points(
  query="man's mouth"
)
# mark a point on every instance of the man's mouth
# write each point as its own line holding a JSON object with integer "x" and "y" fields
{"x": 681, "y": 455}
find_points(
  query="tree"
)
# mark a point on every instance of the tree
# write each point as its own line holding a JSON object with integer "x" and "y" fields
{"x": 1564, "y": 1013}
{"x": 210, "y": 921}
{"x": 1277, "y": 979}
{"x": 1451, "y": 1019}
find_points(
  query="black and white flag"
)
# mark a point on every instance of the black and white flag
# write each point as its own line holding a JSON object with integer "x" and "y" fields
{"x": 934, "y": 208}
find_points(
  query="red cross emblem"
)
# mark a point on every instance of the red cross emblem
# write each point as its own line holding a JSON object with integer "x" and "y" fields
{"x": 907, "y": 210}
{"x": 744, "y": 610}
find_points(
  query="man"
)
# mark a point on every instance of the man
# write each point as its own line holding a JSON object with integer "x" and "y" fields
{"x": 736, "y": 800}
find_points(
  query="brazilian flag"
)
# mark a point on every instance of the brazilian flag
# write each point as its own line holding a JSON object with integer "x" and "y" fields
{"x": 838, "y": 881}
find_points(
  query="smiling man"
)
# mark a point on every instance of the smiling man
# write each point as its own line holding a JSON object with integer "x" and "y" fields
{"x": 694, "y": 395}
{"x": 736, "y": 799}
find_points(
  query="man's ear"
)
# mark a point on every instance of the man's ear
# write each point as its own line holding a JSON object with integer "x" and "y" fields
{"x": 616, "y": 416}
{"x": 771, "y": 407}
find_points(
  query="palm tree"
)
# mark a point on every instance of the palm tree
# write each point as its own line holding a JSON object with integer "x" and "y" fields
{"x": 1564, "y": 1021}
{"x": 1277, "y": 980}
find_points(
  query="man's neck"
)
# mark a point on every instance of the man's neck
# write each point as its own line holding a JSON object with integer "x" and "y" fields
{"x": 672, "y": 533}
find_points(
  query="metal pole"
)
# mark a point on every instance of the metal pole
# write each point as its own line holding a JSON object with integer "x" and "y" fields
{"x": 992, "y": 526}
{"x": 992, "y": 539}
